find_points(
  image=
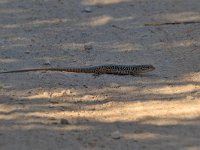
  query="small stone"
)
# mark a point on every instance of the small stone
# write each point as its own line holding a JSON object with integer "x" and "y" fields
{"x": 116, "y": 135}
{"x": 87, "y": 10}
{"x": 64, "y": 121}
{"x": 47, "y": 62}
{"x": 88, "y": 46}
{"x": 32, "y": 40}
{"x": 27, "y": 52}
{"x": 29, "y": 92}
{"x": 85, "y": 86}
{"x": 114, "y": 85}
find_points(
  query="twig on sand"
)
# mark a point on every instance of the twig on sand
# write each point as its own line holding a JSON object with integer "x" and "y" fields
{"x": 170, "y": 23}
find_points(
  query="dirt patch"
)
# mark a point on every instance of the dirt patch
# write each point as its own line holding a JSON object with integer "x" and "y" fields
{"x": 55, "y": 110}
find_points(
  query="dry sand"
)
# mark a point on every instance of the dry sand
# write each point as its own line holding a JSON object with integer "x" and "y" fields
{"x": 64, "y": 111}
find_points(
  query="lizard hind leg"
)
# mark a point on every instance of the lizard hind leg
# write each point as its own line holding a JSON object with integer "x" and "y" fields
{"x": 98, "y": 71}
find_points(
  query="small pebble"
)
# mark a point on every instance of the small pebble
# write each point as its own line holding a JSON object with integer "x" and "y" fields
{"x": 88, "y": 46}
{"x": 29, "y": 92}
{"x": 87, "y": 10}
{"x": 116, "y": 135}
{"x": 27, "y": 52}
{"x": 47, "y": 62}
{"x": 64, "y": 121}
{"x": 85, "y": 86}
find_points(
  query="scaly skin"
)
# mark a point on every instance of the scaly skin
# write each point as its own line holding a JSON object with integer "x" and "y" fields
{"x": 104, "y": 69}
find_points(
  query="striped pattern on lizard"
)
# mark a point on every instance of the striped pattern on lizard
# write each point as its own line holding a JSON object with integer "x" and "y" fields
{"x": 104, "y": 69}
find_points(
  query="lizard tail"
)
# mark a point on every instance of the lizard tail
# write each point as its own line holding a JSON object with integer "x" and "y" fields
{"x": 77, "y": 70}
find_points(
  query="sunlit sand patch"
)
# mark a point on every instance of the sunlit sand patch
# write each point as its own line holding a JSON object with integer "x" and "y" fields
{"x": 150, "y": 112}
{"x": 58, "y": 93}
{"x": 157, "y": 112}
{"x": 182, "y": 16}
{"x": 39, "y": 96}
{"x": 6, "y": 1}
{"x": 146, "y": 136}
{"x": 174, "y": 89}
{"x": 103, "y": 2}
{"x": 105, "y": 19}
{"x": 6, "y": 108}
{"x": 8, "y": 60}
{"x": 34, "y": 23}
{"x": 193, "y": 76}
{"x": 10, "y": 112}
{"x": 44, "y": 22}
{"x": 125, "y": 46}
{"x": 192, "y": 148}
{"x": 62, "y": 93}
{"x": 160, "y": 112}
{"x": 73, "y": 46}
{"x": 90, "y": 98}
{"x": 47, "y": 94}
{"x": 98, "y": 21}
{"x": 176, "y": 44}
{"x": 169, "y": 121}
{"x": 19, "y": 39}
{"x": 124, "y": 18}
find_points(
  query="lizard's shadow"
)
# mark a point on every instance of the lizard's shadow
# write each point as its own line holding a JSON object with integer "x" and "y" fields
{"x": 138, "y": 75}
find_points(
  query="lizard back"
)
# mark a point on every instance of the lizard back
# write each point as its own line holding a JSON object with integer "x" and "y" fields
{"x": 124, "y": 69}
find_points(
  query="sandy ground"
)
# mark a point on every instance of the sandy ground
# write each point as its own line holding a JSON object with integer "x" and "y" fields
{"x": 52, "y": 110}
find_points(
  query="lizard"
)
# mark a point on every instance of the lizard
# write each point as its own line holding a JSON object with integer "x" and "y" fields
{"x": 97, "y": 70}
